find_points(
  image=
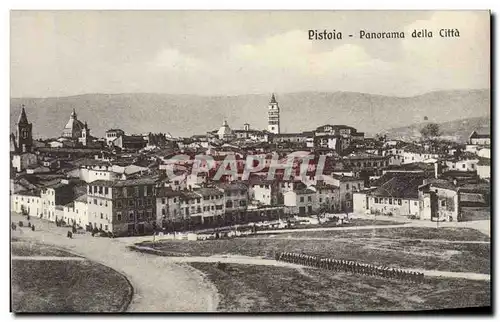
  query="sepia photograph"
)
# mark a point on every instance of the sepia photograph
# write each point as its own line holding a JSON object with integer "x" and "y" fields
{"x": 250, "y": 161}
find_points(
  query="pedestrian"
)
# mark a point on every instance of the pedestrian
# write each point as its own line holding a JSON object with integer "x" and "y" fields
{"x": 70, "y": 235}
{"x": 32, "y": 227}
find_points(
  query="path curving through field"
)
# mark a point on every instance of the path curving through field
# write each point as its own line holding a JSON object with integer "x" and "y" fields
{"x": 160, "y": 285}
{"x": 247, "y": 260}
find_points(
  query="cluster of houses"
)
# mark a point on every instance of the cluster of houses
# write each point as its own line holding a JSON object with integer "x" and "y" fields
{"x": 119, "y": 184}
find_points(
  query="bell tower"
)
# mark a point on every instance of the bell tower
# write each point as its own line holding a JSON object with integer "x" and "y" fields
{"x": 273, "y": 116}
{"x": 24, "y": 138}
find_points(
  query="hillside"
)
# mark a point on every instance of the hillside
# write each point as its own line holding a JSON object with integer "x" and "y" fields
{"x": 458, "y": 130}
{"x": 184, "y": 115}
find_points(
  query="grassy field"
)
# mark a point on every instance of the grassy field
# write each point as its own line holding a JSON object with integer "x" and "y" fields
{"x": 66, "y": 286}
{"x": 278, "y": 289}
{"x": 390, "y": 252}
{"x": 476, "y": 213}
{"x": 443, "y": 233}
{"x": 19, "y": 248}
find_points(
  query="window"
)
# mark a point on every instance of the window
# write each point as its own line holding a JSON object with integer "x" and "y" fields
{"x": 213, "y": 207}
{"x": 118, "y": 204}
{"x": 131, "y": 202}
{"x": 376, "y": 200}
{"x": 320, "y": 200}
{"x": 102, "y": 216}
{"x": 139, "y": 215}
{"x": 139, "y": 202}
{"x": 390, "y": 201}
{"x": 106, "y": 227}
{"x": 175, "y": 200}
{"x": 415, "y": 203}
{"x": 347, "y": 186}
{"x": 106, "y": 190}
{"x": 150, "y": 214}
{"x": 119, "y": 216}
{"x": 399, "y": 202}
{"x": 131, "y": 215}
{"x": 95, "y": 189}
{"x": 95, "y": 201}
{"x": 309, "y": 198}
{"x": 163, "y": 200}
{"x": 463, "y": 166}
{"x": 443, "y": 203}
{"x": 301, "y": 199}
{"x": 100, "y": 190}
{"x": 163, "y": 212}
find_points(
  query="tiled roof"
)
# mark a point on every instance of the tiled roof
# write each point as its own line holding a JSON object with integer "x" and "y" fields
{"x": 124, "y": 183}
{"x": 400, "y": 187}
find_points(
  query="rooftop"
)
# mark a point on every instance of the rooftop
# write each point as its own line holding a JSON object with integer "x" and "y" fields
{"x": 124, "y": 183}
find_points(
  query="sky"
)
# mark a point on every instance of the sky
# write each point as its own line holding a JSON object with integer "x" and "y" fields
{"x": 63, "y": 53}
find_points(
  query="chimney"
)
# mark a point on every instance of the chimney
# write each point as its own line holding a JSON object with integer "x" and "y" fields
{"x": 246, "y": 127}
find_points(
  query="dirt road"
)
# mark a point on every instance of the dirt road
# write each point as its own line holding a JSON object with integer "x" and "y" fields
{"x": 160, "y": 285}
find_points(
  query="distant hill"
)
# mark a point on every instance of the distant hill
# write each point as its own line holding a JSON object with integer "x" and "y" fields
{"x": 458, "y": 130}
{"x": 185, "y": 115}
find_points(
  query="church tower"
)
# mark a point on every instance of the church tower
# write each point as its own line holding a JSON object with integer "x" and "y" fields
{"x": 24, "y": 138}
{"x": 273, "y": 116}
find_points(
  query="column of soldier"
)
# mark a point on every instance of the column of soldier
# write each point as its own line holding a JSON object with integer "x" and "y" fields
{"x": 350, "y": 267}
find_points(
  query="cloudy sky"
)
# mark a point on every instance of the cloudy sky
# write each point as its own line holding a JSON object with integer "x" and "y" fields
{"x": 217, "y": 53}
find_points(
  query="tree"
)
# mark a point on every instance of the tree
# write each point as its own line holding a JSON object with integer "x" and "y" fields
{"x": 430, "y": 130}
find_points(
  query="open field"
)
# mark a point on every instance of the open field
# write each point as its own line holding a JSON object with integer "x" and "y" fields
{"x": 476, "y": 213}
{"x": 248, "y": 288}
{"x": 19, "y": 248}
{"x": 65, "y": 286}
{"x": 454, "y": 257}
{"x": 443, "y": 233}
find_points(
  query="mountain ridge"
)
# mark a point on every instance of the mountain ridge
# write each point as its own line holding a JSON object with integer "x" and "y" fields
{"x": 186, "y": 114}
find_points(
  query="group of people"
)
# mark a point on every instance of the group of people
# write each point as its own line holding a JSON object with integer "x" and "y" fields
{"x": 350, "y": 267}
{"x": 13, "y": 226}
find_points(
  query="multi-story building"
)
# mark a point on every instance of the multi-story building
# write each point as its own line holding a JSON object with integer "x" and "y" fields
{"x": 336, "y": 137}
{"x": 397, "y": 196}
{"x": 347, "y": 186}
{"x": 370, "y": 164}
{"x": 124, "y": 207}
{"x": 301, "y": 202}
{"x": 264, "y": 191}
{"x": 168, "y": 206}
{"x": 439, "y": 200}
{"x": 235, "y": 200}
{"x": 479, "y": 139}
{"x": 76, "y": 212}
{"x": 113, "y": 134}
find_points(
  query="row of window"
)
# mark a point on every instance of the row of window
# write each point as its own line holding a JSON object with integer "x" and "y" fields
{"x": 135, "y": 215}
{"x": 309, "y": 198}
{"x": 389, "y": 201}
{"x": 371, "y": 164}
{"x": 126, "y": 191}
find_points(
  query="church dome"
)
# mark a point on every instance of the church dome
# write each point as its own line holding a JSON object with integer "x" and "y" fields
{"x": 74, "y": 127}
{"x": 224, "y": 131}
